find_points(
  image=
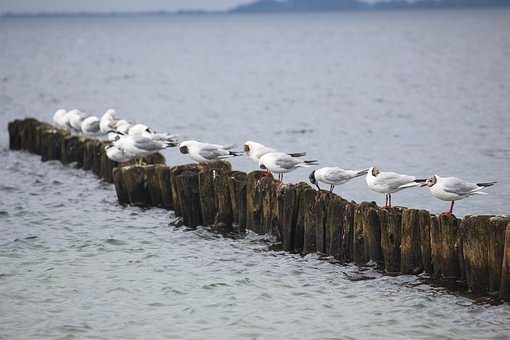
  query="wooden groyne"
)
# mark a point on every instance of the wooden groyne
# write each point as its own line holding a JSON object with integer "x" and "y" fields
{"x": 473, "y": 252}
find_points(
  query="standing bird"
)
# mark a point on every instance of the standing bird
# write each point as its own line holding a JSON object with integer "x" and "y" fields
{"x": 334, "y": 176}
{"x": 59, "y": 119}
{"x": 205, "y": 152}
{"x": 90, "y": 126}
{"x": 390, "y": 182}
{"x": 256, "y": 150}
{"x": 281, "y": 163}
{"x": 453, "y": 189}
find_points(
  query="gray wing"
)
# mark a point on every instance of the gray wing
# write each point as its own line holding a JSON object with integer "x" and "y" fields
{"x": 212, "y": 152}
{"x": 340, "y": 175}
{"x": 457, "y": 186}
{"x": 287, "y": 162}
{"x": 147, "y": 144}
{"x": 394, "y": 179}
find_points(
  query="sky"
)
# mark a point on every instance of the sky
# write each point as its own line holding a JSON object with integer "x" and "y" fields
{"x": 114, "y": 5}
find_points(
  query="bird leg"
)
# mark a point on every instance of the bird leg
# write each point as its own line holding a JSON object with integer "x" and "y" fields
{"x": 451, "y": 208}
{"x": 389, "y": 199}
{"x": 385, "y": 200}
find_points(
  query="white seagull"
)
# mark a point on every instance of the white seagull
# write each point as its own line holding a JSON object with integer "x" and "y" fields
{"x": 453, "y": 189}
{"x": 108, "y": 121}
{"x": 116, "y": 154}
{"x": 74, "y": 119}
{"x": 59, "y": 119}
{"x": 281, "y": 163}
{"x": 390, "y": 182}
{"x": 90, "y": 126}
{"x": 205, "y": 152}
{"x": 256, "y": 150}
{"x": 138, "y": 146}
{"x": 334, "y": 176}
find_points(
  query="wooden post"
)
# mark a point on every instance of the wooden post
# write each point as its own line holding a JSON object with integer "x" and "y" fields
{"x": 313, "y": 220}
{"x": 206, "y": 178}
{"x": 223, "y": 221}
{"x": 188, "y": 196}
{"x": 391, "y": 236}
{"x": 13, "y": 128}
{"x": 497, "y": 227}
{"x": 367, "y": 234}
{"x": 174, "y": 172}
{"x": 72, "y": 150}
{"x": 339, "y": 228}
{"x": 475, "y": 237}
{"x": 287, "y": 213}
{"x": 88, "y": 154}
{"x": 50, "y": 145}
{"x": 450, "y": 266}
{"x": 106, "y": 165}
{"x": 424, "y": 221}
{"x": 120, "y": 189}
{"x": 237, "y": 187}
{"x": 134, "y": 182}
{"x": 152, "y": 183}
{"x": 299, "y": 229}
{"x": 436, "y": 247}
{"x": 165, "y": 186}
{"x": 410, "y": 248}
{"x": 257, "y": 182}
{"x": 504, "y": 290}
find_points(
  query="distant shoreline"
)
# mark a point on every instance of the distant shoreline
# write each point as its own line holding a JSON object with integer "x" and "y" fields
{"x": 240, "y": 11}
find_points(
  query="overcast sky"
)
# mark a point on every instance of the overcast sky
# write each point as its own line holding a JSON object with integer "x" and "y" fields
{"x": 113, "y": 5}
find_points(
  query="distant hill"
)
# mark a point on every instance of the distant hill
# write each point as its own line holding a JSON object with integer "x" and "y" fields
{"x": 265, "y": 6}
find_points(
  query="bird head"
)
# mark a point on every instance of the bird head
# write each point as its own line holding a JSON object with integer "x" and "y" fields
{"x": 312, "y": 177}
{"x": 375, "y": 171}
{"x": 430, "y": 181}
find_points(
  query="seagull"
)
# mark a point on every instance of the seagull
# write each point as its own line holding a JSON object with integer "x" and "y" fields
{"x": 59, "y": 118}
{"x": 139, "y": 146}
{"x": 91, "y": 126}
{"x": 144, "y": 130}
{"x": 256, "y": 150}
{"x": 205, "y": 152}
{"x": 390, "y": 182}
{"x": 122, "y": 126}
{"x": 334, "y": 176}
{"x": 116, "y": 154}
{"x": 454, "y": 189}
{"x": 281, "y": 163}
{"x": 74, "y": 119}
{"x": 108, "y": 121}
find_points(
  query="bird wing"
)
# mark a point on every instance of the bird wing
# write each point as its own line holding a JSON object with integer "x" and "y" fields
{"x": 211, "y": 152}
{"x": 147, "y": 144}
{"x": 394, "y": 179}
{"x": 339, "y": 175}
{"x": 457, "y": 186}
{"x": 287, "y": 162}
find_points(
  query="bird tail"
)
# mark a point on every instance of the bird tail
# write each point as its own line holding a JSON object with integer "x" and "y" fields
{"x": 235, "y": 153}
{"x": 309, "y": 163}
{"x": 410, "y": 185}
{"x": 297, "y": 154}
{"x": 361, "y": 172}
{"x": 479, "y": 193}
{"x": 488, "y": 184}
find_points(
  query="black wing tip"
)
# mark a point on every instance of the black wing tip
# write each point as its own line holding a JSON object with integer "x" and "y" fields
{"x": 312, "y": 162}
{"x": 235, "y": 153}
{"x": 487, "y": 184}
{"x": 420, "y": 180}
{"x": 297, "y": 154}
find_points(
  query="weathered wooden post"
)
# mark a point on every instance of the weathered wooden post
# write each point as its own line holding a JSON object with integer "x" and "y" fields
{"x": 152, "y": 182}
{"x": 106, "y": 165}
{"x": 257, "y": 183}
{"x": 188, "y": 196}
{"x": 237, "y": 187}
{"x": 475, "y": 237}
{"x": 497, "y": 229}
{"x": 391, "y": 236}
{"x": 120, "y": 188}
{"x": 134, "y": 182}
{"x": 72, "y": 150}
{"x": 504, "y": 289}
{"x": 88, "y": 154}
{"x": 287, "y": 200}
{"x": 13, "y": 128}
{"x": 223, "y": 221}
{"x": 98, "y": 148}
{"x": 174, "y": 172}
{"x": 424, "y": 221}
{"x": 313, "y": 221}
{"x": 339, "y": 227}
{"x": 367, "y": 234}
{"x": 50, "y": 146}
{"x": 411, "y": 259}
{"x": 450, "y": 266}
{"x": 165, "y": 186}
{"x": 206, "y": 178}
{"x": 436, "y": 247}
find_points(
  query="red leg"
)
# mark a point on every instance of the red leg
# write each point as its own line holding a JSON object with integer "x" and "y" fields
{"x": 389, "y": 199}
{"x": 385, "y": 200}
{"x": 451, "y": 208}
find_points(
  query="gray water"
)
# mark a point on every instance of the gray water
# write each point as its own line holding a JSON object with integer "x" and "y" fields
{"x": 414, "y": 92}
